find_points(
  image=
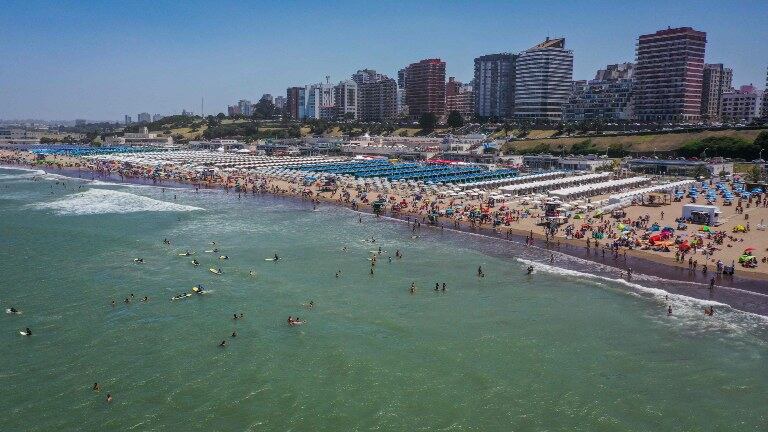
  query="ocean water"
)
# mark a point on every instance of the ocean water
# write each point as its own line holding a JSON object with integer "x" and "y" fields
{"x": 571, "y": 347}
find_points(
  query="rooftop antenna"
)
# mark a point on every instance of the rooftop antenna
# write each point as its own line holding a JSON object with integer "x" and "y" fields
{"x": 327, "y": 79}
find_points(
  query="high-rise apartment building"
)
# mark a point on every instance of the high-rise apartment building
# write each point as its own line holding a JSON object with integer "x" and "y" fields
{"x": 669, "y": 75}
{"x": 376, "y": 96}
{"x": 494, "y": 86}
{"x": 607, "y": 97}
{"x": 279, "y": 102}
{"x": 765, "y": 97}
{"x": 128, "y": 119}
{"x": 267, "y": 97}
{"x": 742, "y": 105}
{"x": 459, "y": 97}
{"x": 292, "y": 102}
{"x": 144, "y": 118}
{"x": 246, "y": 107}
{"x": 543, "y": 77}
{"x": 345, "y": 100}
{"x": 157, "y": 117}
{"x": 424, "y": 84}
{"x": 716, "y": 80}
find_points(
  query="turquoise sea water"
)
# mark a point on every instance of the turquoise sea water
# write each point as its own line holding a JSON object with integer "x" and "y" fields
{"x": 564, "y": 349}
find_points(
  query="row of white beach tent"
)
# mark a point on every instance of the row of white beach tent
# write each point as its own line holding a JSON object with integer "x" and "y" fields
{"x": 216, "y": 159}
{"x": 548, "y": 184}
{"x": 597, "y": 188}
{"x": 513, "y": 180}
{"x": 627, "y": 197}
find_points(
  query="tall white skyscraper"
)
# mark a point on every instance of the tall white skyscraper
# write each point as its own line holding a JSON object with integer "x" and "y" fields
{"x": 543, "y": 76}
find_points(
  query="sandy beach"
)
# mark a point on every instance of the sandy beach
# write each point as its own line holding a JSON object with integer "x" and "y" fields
{"x": 610, "y": 240}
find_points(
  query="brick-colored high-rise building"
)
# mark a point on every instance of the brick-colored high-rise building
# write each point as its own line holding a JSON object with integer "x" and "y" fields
{"x": 669, "y": 75}
{"x": 459, "y": 97}
{"x": 717, "y": 79}
{"x": 424, "y": 84}
{"x": 292, "y": 102}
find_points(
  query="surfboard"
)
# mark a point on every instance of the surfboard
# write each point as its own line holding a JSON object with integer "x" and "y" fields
{"x": 8, "y": 311}
{"x": 23, "y": 333}
{"x": 216, "y": 272}
{"x": 187, "y": 254}
{"x": 269, "y": 259}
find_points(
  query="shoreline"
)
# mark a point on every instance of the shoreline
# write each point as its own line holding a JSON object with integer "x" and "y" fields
{"x": 737, "y": 291}
{"x": 516, "y": 235}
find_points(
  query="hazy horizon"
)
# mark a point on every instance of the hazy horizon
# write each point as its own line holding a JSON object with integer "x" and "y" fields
{"x": 99, "y": 61}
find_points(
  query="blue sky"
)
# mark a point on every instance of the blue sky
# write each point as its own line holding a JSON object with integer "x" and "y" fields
{"x": 99, "y": 60}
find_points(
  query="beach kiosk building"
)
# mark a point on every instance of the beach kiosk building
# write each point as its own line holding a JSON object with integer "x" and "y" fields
{"x": 702, "y": 214}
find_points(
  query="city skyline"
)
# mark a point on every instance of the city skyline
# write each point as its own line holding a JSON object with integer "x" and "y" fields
{"x": 226, "y": 52}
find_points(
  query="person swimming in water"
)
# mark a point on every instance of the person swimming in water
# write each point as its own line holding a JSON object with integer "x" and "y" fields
{"x": 96, "y": 387}
{"x": 109, "y": 398}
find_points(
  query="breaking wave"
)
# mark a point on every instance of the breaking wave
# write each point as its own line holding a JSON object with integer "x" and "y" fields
{"x": 102, "y": 201}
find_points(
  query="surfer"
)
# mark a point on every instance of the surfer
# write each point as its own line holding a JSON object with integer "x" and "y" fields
{"x": 530, "y": 269}
{"x": 234, "y": 316}
{"x": 13, "y": 311}
{"x": 712, "y": 284}
{"x": 27, "y": 332}
{"x": 551, "y": 258}
{"x": 96, "y": 387}
{"x": 480, "y": 270}
{"x": 139, "y": 260}
{"x": 437, "y": 286}
{"x": 412, "y": 290}
{"x": 443, "y": 286}
{"x": 109, "y": 398}
{"x": 113, "y": 303}
{"x": 195, "y": 263}
{"x": 276, "y": 257}
{"x": 224, "y": 257}
{"x": 629, "y": 273}
{"x": 669, "y": 310}
{"x": 145, "y": 299}
{"x": 223, "y": 343}
{"x": 252, "y": 273}
{"x": 234, "y": 333}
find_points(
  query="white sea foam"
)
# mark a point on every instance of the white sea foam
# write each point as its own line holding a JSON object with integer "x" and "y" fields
{"x": 686, "y": 310}
{"x": 101, "y": 201}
